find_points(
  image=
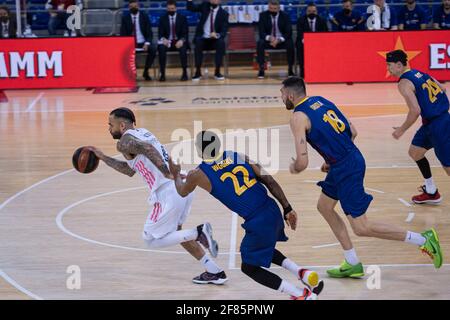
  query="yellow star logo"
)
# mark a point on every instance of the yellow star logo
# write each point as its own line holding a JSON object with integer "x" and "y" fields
{"x": 399, "y": 46}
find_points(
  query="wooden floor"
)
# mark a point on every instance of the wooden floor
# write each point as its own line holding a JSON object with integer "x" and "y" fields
{"x": 52, "y": 217}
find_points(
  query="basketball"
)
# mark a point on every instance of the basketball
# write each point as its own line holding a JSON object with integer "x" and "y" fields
{"x": 84, "y": 160}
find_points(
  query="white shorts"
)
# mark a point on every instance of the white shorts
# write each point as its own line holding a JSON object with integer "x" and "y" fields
{"x": 169, "y": 210}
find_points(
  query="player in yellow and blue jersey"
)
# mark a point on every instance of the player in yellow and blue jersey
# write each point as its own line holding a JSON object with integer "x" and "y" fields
{"x": 241, "y": 185}
{"x": 427, "y": 98}
{"x": 317, "y": 121}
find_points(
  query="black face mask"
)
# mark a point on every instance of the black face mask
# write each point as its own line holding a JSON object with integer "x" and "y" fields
{"x": 347, "y": 11}
{"x": 4, "y": 19}
{"x": 171, "y": 13}
{"x": 273, "y": 14}
{"x": 134, "y": 10}
{"x": 311, "y": 16}
{"x": 214, "y": 6}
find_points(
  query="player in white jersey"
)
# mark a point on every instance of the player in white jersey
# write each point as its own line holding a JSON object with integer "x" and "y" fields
{"x": 163, "y": 227}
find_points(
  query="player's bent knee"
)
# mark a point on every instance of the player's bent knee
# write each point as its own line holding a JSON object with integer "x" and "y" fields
{"x": 416, "y": 153}
{"x": 362, "y": 231}
{"x": 248, "y": 269}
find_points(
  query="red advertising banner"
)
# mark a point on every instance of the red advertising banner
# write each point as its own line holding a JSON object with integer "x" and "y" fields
{"x": 360, "y": 56}
{"x": 67, "y": 63}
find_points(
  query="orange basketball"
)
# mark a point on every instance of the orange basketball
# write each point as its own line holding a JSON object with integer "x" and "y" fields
{"x": 84, "y": 160}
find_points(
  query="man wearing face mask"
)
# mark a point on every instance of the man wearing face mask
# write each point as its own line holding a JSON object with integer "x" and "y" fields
{"x": 137, "y": 24}
{"x": 173, "y": 32}
{"x": 210, "y": 34}
{"x": 441, "y": 16}
{"x": 275, "y": 32}
{"x": 311, "y": 22}
{"x": 348, "y": 19}
{"x": 7, "y": 25}
{"x": 412, "y": 17}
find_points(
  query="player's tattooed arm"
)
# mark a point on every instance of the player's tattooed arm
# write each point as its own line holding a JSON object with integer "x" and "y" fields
{"x": 299, "y": 125}
{"x": 130, "y": 145}
{"x": 120, "y": 166}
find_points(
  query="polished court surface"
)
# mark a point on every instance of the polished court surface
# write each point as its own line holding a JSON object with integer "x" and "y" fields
{"x": 52, "y": 217}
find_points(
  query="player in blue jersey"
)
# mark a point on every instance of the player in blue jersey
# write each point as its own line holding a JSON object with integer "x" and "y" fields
{"x": 427, "y": 98}
{"x": 320, "y": 123}
{"x": 241, "y": 186}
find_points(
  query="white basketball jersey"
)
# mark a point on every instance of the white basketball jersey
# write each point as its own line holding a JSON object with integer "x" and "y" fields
{"x": 151, "y": 175}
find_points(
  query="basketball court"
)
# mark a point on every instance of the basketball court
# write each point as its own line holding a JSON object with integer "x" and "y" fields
{"x": 52, "y": 217}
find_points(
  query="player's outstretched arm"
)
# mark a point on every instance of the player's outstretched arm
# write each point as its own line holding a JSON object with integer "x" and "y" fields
{"x": 130, "y": 145}
{"x": 189, "y": 184}
{"x": 298, "y": 127}
{"x": 120, "y": 166}
{"x": 275, "y": 189}
{"x": 406, "y": 89}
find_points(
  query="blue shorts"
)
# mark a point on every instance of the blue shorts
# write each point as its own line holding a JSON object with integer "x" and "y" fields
{"x": 345, "y": 183}
{"x": 435, "y": 134}
{"x": 262, "y": 232}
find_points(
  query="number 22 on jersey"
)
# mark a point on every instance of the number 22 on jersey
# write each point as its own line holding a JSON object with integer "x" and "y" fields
{"x": 248, "y": 183}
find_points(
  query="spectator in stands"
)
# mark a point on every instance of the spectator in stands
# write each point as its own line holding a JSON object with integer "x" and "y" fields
{"x": 173, "y": 33}
{"x": 7, "y": 24}
{"x": 348, "y": 19}
{"x": 275, "y": 32}
{"x": 441, "y": 16}
{"x": 59, "y": 15}
{"x": 137, "y": 23}
{"x": 210, "y": 34}
{"x": 381, "y": 16}
{"x": 311, "y": 22}
{"x": 412, "y": 17}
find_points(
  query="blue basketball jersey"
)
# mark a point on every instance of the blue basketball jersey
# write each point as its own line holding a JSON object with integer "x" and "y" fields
{"x": 234, "y": 183}
{"x": 432, "y": 100}
{"x": 330, "y": 133}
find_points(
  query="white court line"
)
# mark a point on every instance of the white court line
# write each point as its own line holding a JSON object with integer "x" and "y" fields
{"x": 326, "y": 245}
{"x": 311, "y": 181}
{"x": 33, "y": 103}
{"x": 233, "y": 236}
{"x": 16, "y": 195}
{"x": 61, "y": 226}
{"x": 410, "y": 217}
{"x": 375, "y": 190}
{"x": 405, "y": 202}
{"x": 18, "y": 286}
{"x": 372, "y": 264}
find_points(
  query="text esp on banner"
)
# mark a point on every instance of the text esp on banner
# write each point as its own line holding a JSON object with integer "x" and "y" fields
{"x": 360, "y": 56}
{"x": 67, "y": 63}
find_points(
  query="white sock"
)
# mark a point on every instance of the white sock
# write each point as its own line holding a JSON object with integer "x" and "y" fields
{"x": 290, "y": 289}
{"x": 175, "y": 237}
{"x": 415, "y": 238}
{"x": 351, "y": 257}
{"x": 291, "y": 266}
{"x": 210, "y": 265}
{"x": 430, "y": 186}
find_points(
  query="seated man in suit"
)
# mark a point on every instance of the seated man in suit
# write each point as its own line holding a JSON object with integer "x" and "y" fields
{"x": 137, "y": 24}
{"x": 7, "y": 24}
{"x": 173, "y": 32}
{"x": 210, "y": 34}
{"x": 311, "y": 22}
{"x": 275, "y": 32}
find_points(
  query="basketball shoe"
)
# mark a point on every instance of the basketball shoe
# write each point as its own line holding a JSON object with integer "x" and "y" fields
{"x": 206, "y": 239}
{"x": 432, "y": 248}
{"x": 346, "y": 270}
{"x": 307, "y": 295}
{"x": 311, "y": 280}
{"x": 426, "y": 197}
{"x": 214, "y": 278}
